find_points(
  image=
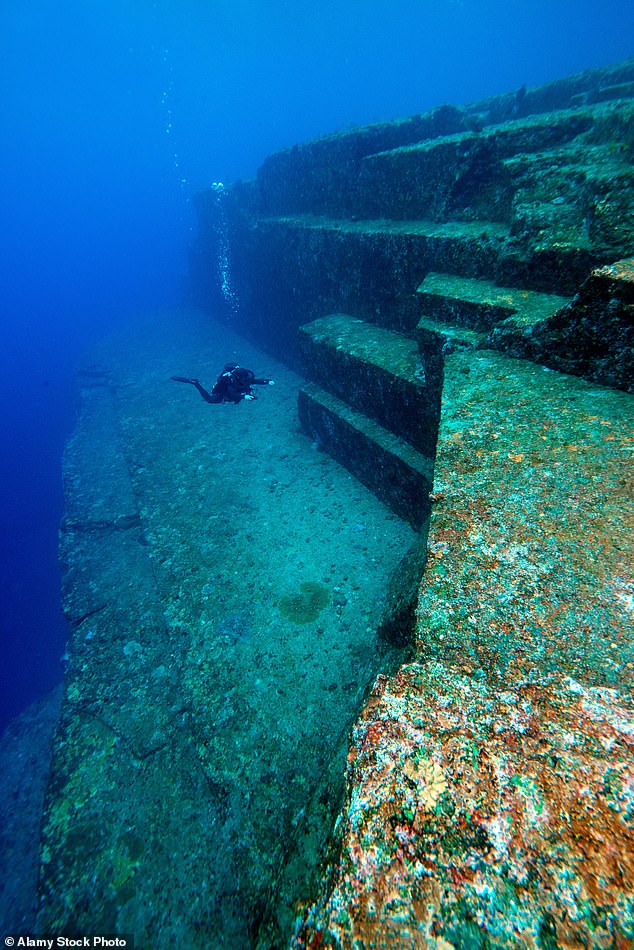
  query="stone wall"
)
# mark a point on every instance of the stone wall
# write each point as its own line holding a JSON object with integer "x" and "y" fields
{"x": 530, "y": 190}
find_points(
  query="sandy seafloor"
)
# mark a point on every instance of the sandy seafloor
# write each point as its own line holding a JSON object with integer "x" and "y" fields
{"x": 240, "y": 509}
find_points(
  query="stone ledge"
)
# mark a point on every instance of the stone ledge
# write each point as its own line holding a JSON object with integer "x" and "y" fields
{"x": 531, "y": 475}
{"x": 377, "y": 372}
{"x": 399, "y": 475}
{"x": 592, "y": 337}
{"x": 481, "y": 304}
{"x": 440, "y": 230}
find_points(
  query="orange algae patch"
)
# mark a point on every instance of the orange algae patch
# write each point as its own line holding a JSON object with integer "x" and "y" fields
{"x": 622, "y": 270}
{"x": 485, "y": 811}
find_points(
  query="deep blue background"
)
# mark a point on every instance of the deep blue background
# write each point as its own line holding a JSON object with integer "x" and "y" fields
{"x": 113, "y": 113}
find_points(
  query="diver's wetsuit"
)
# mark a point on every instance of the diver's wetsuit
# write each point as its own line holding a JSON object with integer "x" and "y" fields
{"x": 233, "y": 385}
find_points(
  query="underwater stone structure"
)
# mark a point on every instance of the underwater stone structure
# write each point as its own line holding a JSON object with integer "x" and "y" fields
{"x": 459, "y": 289}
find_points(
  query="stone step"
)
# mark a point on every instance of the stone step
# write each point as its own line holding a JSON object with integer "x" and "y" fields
{"x": 419, "y": 228}
{"x": 578, "y": 161}
{"x": 323, "y": 175}
{"x": 482, "y": 305}
{"x": 527, "y": 134}
{"x": 444, "y": 177}
{"x": 377, "y": 372}
{"x": 397, "y": 474}
{"x": 471, "y": 247}
{"x": 577, "y": 198}
{"x": 623, "y": 90}
{"x": 590, "y": 335}
{"x": 356, "y": 266}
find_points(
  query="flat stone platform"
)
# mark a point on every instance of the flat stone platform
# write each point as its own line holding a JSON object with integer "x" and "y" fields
{"x": 224, "y": 582}
{"x": 490, "y": 797}
{"x": 531, "y": 555}
{"x": 468, "y": 231}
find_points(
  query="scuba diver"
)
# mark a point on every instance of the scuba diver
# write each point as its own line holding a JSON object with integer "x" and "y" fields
{"x": 233, "y": 385}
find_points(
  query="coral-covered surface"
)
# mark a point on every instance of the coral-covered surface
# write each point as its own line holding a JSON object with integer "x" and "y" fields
{"x": 477, "y": 812}
{"x": 490, "y": 783}
{"x": 620, "y": 271}
{"x": 530, "y": 560}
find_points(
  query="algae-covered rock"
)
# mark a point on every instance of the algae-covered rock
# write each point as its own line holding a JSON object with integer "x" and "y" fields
{"x": 306, "y": 605}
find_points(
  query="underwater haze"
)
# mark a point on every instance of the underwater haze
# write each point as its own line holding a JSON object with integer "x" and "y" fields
{"x": 114, "y": 114}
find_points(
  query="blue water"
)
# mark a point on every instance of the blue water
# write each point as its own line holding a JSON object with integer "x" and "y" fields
{"x": 113, "y": 114}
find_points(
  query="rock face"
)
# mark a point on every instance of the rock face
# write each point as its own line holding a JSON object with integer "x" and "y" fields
{"x": 483, "y": 815}
{"x": 593, "y": 336}
{"x": 463, "y": 281}
{"x": 25, "y": 756}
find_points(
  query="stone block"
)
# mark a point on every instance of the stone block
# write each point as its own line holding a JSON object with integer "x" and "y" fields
{"x": 592, "y": 337}
{"x": 397, "y": 474}
{"x": 377, "y": 372}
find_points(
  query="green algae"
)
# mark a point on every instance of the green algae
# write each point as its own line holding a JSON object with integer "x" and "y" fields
{"x": 305, "y": 606}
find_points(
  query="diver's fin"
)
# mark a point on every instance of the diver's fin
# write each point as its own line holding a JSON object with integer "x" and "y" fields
{"x": 182, "y": 379}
